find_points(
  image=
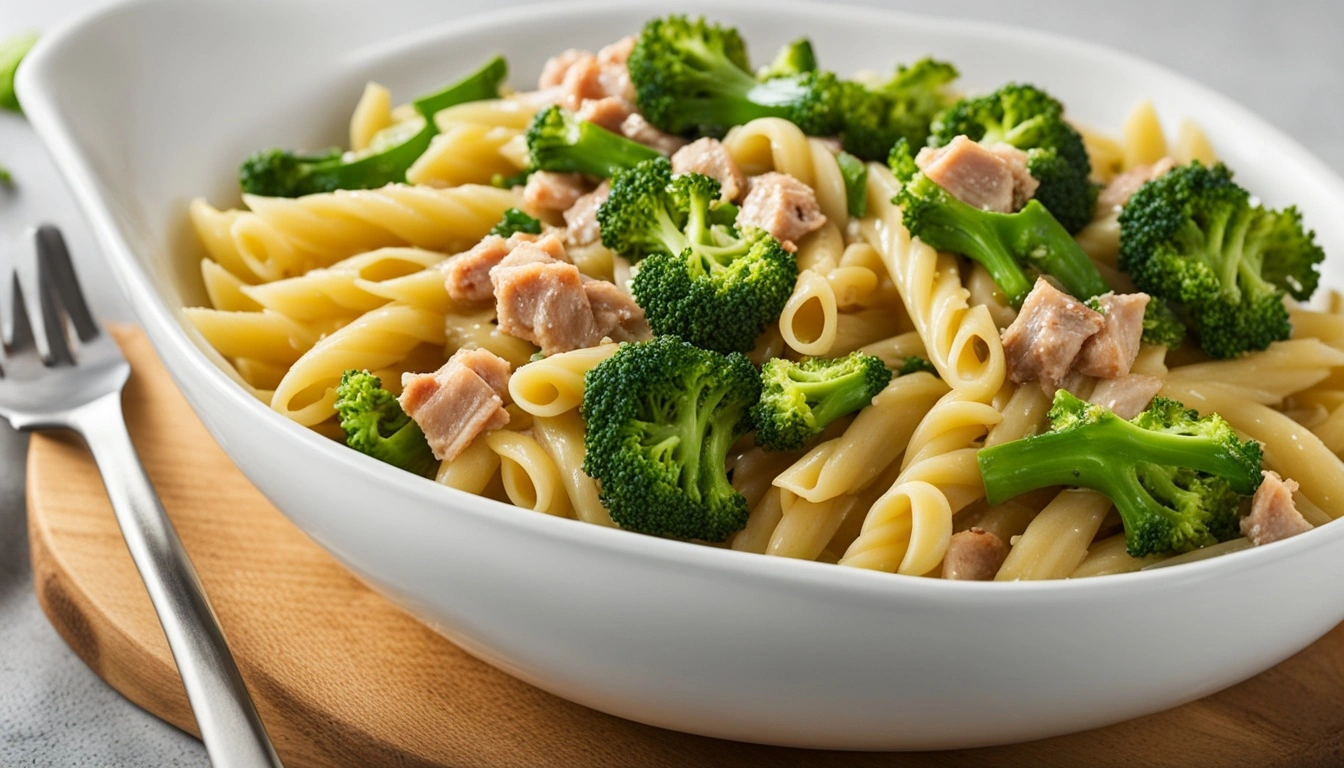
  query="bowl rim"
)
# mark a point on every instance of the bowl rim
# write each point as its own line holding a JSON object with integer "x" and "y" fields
{"x": 34, "y": 83}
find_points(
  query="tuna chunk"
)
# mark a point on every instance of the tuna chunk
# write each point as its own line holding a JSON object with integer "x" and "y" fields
{"x": 457, "y": 402}
{"x": 974, "y": 555}
{"x": 1111, "y": 352}
{"x": 1115, "y": 194}
{"x": 616, "y": 316}
{"x": 992, "y": 179}
{"x": 583, "y": 81}
{"x": 1024, "y": 184}
{"x": 615, "y": 74}
{"x": 710, "y": 157}
{"x": 468, "y": 274}
{"x": 1126, "y": 395}
{"x": 493, "y": 369}
{"x": 575, "y": 77}
{"x": 1273, "y": 516}
{"x": 547, "y": 191}
{"x": 781, "y": 205}
{"x": 553, "y": 73}
{"x": 636, "y": 128}
{"x": 607, "y": 112}
{"x": 1047, "y": 335}
{"x": 581, "y": 218}
{"x": 543, "y": 301}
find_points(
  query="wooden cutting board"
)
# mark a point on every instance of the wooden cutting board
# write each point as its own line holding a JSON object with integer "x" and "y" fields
{"x": 344, "y": 678}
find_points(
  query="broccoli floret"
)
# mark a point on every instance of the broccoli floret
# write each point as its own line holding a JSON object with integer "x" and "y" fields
{"x": 375, "y": 425}
{"x": 876, "y": 116}
{"x": 6, "y": 179}
{"x": 558, "y": 141}
{"x": 711, "y": 284}
{"x": 1177, "y": 479}
{"x": 916, "y": 364}
{"x": 648, "y": 211}
{"x": 1193, "y": 237}
{"x": 1033, "y": 121}
{"x": 1001, "y": 242}
{"x": 518, "y": 179}
{"x": 798, "y": 400}
{"x": 720, "y": 296}
{"x": 514, "y": 221}
{"x": 286, "y": 173}
{"x": 901, "y": 161}
{"x": 692, "y": 77}
{"x": 855, "y": 173}
{"x": 1161, "y": 326}
{"x": 794, "y": 58}
{"x": 661, "y": 416}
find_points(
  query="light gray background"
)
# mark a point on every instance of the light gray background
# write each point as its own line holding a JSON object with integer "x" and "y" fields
{"x": 1282, "y": 59}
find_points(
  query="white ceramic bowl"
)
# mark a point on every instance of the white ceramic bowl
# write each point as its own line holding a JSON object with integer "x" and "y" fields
{"x": 151, "y": 103}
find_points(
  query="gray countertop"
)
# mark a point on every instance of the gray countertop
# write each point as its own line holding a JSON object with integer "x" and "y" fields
{"x": 1282, "y": 59}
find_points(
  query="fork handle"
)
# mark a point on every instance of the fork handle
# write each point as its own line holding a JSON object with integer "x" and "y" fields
{"x": 233, "y": 733}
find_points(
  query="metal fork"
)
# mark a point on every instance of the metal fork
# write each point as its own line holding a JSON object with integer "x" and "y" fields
{"x": 62, "y": 371}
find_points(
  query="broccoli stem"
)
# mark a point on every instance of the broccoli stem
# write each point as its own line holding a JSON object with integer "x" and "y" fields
{"x": 1046, "y": 245}
{"x": 409, "y": 441}
{"x": 391, "y": 164}
{"x": 741, "y": 99}
{"x": 951, "y": 225}
{"x": 855, "y": 174}
{"x": 599, "y": 152}
{"x": 1001, "y": 241}
{"x": 478, "y": 86}
{"x": 560, "y": 142}
{"x": 286, "y": 174}
{"x": 836, "y": 397}
{"x": 719, "y": 439}
{"x": 1094, "y": 457}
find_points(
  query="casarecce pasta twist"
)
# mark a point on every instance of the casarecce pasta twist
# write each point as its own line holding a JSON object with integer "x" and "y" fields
{"x": 908, "y": 527}
{"x": 530, "y": 477}
{"x": 962, "y": 341}
{"x": 876, "y": 437}
{"x": 338, "y": 224}
{"x": 343, "y": 288}
{"x": 553, "y": 385}
{"x": 284, "y": 237}
{"x": 376, "y": 341}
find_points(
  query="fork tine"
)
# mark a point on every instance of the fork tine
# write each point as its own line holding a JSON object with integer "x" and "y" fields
{"x": 27, "y": 328}
{"x": 43, "y": 310}
{"x": 57, "y": 330}
{"x": 60, "y": 269}
{"x": 20, "y": 347}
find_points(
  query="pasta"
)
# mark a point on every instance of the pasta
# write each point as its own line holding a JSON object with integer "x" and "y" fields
{"x": 908, "y": 528}
{"x": 345, "y": 222}
{"x": 774, "y": 144}
{"x": 376, "y": 285}
{"x": 962, "y": 341}
{"x": 376, "y": 341}
{"x": 848, "y": 463}
{"x": 372, "y": 114}
{"x": 530, "y": 478}
{"x": 553, "y": 385}
{"x": 341, "y": 289}
{"x": 562, "y": 437}
{"x": 1056, "y": 541}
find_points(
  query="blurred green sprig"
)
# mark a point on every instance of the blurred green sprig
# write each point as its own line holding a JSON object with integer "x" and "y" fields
{"x": 12, "y": 52}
